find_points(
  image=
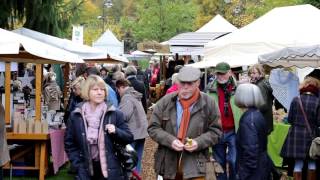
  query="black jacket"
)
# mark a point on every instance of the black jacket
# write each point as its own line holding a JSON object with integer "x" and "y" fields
{"x": 78, "y": 150}
{"x": 253, "y": 161}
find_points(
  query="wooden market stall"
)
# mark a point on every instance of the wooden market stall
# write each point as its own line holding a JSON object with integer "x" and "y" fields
{"x": 157, "y": 49}
{"x": 17, "y": 48}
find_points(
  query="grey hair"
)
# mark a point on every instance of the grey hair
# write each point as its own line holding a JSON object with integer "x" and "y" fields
{"x": 248, "y": 95}
{"x": 118, "y": 75}
{"x": 174, "y": 78}
{"x": 131, "y": 70}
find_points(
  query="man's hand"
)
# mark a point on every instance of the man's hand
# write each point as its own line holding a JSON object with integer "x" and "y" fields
{"x": 191, "y": 146}
{"x": 177, "y": 145}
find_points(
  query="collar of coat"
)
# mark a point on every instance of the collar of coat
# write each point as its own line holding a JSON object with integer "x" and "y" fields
{"x": 213, "y": 87}
{"x": 199, "y": 104}
{"x": 110, "y": 107}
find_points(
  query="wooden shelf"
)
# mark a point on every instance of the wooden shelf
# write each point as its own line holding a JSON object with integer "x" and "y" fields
{"x": 15, "y": 136}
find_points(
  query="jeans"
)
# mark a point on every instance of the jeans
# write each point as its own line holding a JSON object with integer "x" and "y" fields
{"x": 138, "y": 145}
{"x": 298, "y": 165}
{"x": 226, "y": 152}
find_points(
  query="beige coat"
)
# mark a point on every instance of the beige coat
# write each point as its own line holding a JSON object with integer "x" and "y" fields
{"x": 204, "y": 128}
{"x": 134, "y": 113}
{"x": 4, "y": 152}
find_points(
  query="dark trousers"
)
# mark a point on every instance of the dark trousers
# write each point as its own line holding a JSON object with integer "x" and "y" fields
{"x": 1, "y": 173}
{"x": 97, "y": 173}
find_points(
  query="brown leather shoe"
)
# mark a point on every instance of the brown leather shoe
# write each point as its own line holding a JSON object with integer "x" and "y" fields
{"x": 311, "y": 175}
{"x": 297, "y": 175}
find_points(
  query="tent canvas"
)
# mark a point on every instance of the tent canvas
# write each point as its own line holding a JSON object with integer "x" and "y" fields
{"x": 306, "y": 56}
{"x": 87, "y": 53}
{"x": 192, "y": 43}
{"x": 10, "y": 50}
{"x": 108, "y": 42}
{"x": 217, "y": 24}
{"x": 279, "y": 28}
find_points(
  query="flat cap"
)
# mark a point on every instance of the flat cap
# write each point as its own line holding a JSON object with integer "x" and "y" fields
{"x": 189, "y": 74}
{"x": 222, "y": 67}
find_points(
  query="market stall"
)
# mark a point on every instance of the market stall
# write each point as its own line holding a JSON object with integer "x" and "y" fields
{"x": 17, "y": 48}
{"x": 279, "y": 28}
{"x": 302, "y": 56}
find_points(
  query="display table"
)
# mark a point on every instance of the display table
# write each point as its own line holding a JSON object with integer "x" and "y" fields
{"x": 275, "y": 142}
{"x": 40, "y": 151}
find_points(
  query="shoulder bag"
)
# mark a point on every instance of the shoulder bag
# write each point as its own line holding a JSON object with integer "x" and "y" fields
{"x": 126, "y": 154}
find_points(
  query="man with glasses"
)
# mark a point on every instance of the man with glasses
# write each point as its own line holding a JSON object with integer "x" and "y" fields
{"x": 184, "y": 124}
{"x": 223, "y": 90}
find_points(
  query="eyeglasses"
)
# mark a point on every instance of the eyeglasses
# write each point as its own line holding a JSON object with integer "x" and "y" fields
{"x": 187, "y": 83}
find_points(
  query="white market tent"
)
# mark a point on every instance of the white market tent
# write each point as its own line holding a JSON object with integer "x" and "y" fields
{"x": 217, "y": 24}
{"x": 306, "y": 56}
{"x": 279, "y": 28}
{"x": 108, "y": 42}
{"x": 192, "y": 43}
{"x": 85, "y": 52}
{"x": 138, "y": 55}
{"x": 20, "y": 48}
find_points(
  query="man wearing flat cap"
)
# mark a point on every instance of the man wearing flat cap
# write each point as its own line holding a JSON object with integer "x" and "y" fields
{"x": 222, "y": 89}
{"x": 184, "y": 124}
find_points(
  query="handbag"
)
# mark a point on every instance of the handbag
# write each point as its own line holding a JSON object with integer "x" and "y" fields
{"x": 213, "y": 168}
{"x": 126, "y": 154}
{"x": 314, "y": 150}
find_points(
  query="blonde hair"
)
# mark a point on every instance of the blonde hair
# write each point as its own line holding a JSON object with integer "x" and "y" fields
{"x": 79, "y": 80}
{"x": 91, "y": 81}
{"x": 257, "y": 67}
{"x": 310, "y": 81}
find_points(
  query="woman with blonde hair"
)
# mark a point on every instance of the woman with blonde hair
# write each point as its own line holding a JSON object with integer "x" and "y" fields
{"x": 253, "y": 162}
{"x": 304, "y": 117}
{"x": 92, "y": 129}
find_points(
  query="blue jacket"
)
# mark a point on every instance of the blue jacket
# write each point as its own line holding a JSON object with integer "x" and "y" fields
{"x": 77, "y": 147}
{"x": 252, "y": 161}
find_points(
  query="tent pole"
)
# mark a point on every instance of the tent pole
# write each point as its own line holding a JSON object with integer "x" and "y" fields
{"x": 205, "y": 77}
{"x": 7, "y": 82}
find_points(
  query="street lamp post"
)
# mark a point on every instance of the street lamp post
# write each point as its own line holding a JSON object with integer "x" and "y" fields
{"x": 108, "y": 4}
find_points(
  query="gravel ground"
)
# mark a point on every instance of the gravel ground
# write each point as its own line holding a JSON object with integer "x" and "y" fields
{"x": 148, "y": 159}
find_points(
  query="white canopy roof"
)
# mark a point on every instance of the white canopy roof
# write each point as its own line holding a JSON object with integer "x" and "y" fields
{"x": 306, "y": 56}
{"x": 217, "y": 24}
{"x": 108, "y": 42}
{"x": 279, "y": 28}
{"x": 10, "y": 45}
{"x": 84, "y": 51}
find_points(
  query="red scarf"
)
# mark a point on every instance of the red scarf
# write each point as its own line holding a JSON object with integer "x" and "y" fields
{"x": 186, "y": 103}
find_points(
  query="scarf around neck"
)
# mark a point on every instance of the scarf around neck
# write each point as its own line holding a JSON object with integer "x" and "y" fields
{"x": 186, "y": 104}
{"x": 92, "y": 118}
{"x": 228, "y": 89}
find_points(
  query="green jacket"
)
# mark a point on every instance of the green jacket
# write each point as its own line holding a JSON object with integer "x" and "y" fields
{"x": 236, "y": 111}
{"x": 204, "y": 128}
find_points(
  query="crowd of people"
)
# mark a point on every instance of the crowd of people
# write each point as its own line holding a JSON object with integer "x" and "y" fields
{"x": 234, "y": 120}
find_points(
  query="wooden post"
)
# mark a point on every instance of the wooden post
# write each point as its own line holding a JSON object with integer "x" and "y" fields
{"x": 66, "y": 84}
{"x": 38, "y": 92}
{"x": 7, "y": 82}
